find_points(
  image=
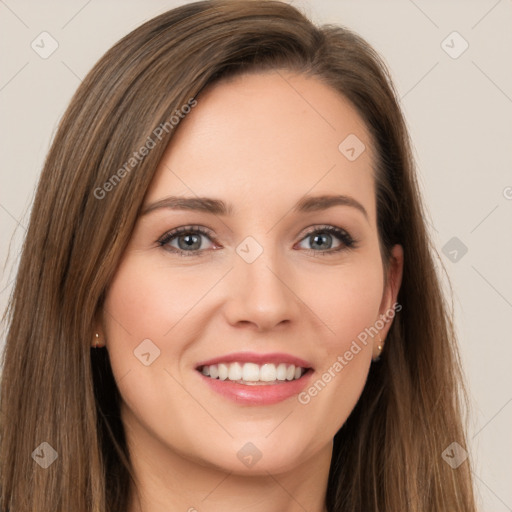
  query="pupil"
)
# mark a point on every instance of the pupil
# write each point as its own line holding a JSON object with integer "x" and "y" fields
{"x": 190, "y": 240}
{"x": 323, "y": 238}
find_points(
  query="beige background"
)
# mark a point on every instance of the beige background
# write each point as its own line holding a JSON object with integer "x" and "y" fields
{"x": 459, "y": 111}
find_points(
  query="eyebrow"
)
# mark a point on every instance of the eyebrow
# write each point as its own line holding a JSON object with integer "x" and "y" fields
{"x": 219, "y": 207}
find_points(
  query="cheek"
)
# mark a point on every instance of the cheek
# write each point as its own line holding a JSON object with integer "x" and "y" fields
{"x": 150, "y": 318}
{"x": 346, "y": 300}
{"x": 147, "y": 301}
{"x": 142, "y": 306}
{"x": 349, "y": 306}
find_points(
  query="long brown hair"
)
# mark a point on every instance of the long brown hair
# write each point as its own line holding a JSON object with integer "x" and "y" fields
{"x": 388, "y": 454}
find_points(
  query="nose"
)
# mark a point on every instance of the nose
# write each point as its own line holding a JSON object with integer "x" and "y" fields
{"x": 261, "y": 293}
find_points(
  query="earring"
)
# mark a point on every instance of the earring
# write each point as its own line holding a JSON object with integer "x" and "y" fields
{"x": 97, "y": 341}
{"x": 379, "y": 348}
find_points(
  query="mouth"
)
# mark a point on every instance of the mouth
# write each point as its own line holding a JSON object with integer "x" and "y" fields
{"x": 255, "y": 379}
{"x": 253, "y": 374}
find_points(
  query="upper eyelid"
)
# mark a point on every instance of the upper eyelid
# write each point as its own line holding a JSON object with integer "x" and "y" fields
{"x": 200, "y": 228}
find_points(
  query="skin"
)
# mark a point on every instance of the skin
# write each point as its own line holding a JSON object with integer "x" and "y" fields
{"x": 260, "y": 142}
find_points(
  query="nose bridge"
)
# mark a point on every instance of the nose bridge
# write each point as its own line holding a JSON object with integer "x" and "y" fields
{"x": 262, "y": 293}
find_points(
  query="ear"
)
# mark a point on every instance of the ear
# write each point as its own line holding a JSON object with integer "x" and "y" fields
{"x": 390, "y": 294}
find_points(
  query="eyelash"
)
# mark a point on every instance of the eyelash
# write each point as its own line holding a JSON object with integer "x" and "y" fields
{"x": 347, "y": 241}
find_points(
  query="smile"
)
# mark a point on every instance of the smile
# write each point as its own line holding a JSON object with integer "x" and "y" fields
{"x": 252, "y": 379}
{"x": 253, "y": 373}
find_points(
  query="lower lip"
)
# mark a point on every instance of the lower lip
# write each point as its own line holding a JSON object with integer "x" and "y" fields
{"x": 259, "y": 394}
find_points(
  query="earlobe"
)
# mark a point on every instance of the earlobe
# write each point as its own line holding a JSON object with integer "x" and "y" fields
{"x": 97, "y": 341}
{"x": 377, "y": 350}
{"x": 98, "y": 337}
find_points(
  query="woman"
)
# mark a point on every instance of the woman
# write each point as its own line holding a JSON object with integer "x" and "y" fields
{"x": 301, "y": 355}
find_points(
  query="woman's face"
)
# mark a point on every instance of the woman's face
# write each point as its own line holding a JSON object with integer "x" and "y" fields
{"x": 277, "y": 280}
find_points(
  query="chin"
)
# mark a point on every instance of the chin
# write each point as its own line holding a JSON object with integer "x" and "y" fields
{"x": 258, "y": 455}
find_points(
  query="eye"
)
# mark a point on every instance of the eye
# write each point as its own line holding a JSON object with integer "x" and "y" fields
{"x": 321, "y": 240}
{"x": 189, "y": 240}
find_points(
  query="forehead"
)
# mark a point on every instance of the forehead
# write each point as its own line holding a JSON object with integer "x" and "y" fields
{"x": 266, "y": 137}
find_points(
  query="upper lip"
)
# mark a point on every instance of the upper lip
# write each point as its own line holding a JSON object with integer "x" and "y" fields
{"x": 253, "y": 357}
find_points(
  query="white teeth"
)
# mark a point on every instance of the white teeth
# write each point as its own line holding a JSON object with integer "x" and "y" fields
{"x": 223, "y": 371}
{"x": 252, "y": 372}
{"x": 268, "y": 372}
{"x": 235, "y": 371}
{"x": 214, "y": 371}
{"x": 281, "y": 371}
